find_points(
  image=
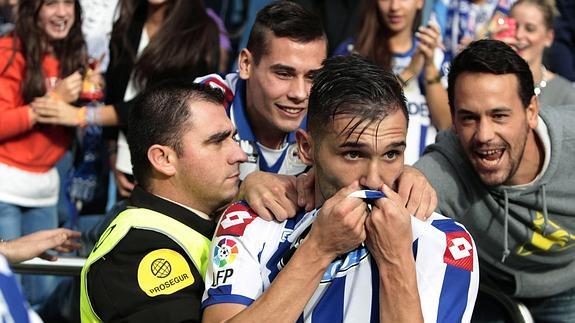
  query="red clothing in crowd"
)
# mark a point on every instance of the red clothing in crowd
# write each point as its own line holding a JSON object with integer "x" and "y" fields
{"x": 33, "y": 148}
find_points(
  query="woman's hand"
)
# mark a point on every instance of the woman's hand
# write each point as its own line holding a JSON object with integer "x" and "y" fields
{"x": 429, "y": 39}
{"x": 68, "y": 89}
{"x": 55, "y": 111}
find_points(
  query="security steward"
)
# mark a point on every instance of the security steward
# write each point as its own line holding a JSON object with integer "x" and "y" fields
{"x": 149, "y": 264}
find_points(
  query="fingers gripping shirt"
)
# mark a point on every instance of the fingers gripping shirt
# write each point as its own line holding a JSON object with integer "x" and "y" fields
{"x": 247, "y": 253}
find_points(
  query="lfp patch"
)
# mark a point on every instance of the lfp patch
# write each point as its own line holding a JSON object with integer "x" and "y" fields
{"x": 164, "y": 272}
{"x": 225, "y": 252}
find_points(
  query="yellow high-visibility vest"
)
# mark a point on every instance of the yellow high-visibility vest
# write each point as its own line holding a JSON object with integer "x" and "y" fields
{"x": 196, "y": 246}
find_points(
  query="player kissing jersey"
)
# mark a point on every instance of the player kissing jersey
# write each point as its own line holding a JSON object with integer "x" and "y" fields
{"x": 247, "y": 253}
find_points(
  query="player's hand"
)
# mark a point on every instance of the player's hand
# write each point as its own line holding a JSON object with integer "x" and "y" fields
{"x": 417, "y": 194}
{"x": 388, "y": 228}
{"x": 340, "y": 224}
{"x": 271, "y": 196}
{"x": 69, "y": 88}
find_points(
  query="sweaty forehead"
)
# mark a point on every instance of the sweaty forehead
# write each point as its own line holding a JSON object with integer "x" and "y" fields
{"x": 357, "y": 129}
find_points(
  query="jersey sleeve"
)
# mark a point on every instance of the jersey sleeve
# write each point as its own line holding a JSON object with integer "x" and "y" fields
{"x": 447, "y": 270}
{"x": 234, "y": 270}
{"x": 216, "y": 81}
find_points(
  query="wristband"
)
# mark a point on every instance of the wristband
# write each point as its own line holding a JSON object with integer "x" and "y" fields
{"x": 433, "y": 80}
{"x": 401, "y": 80}
{"x": 81, "y": 117}
{"x": 92, "y": 116}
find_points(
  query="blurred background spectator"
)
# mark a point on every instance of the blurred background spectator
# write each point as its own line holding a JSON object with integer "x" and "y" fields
{"x": 390, "y": 35}
{"x": 561, "y": 56}
{"x": 532, "y": 35}
{"x": 468, "y": 20}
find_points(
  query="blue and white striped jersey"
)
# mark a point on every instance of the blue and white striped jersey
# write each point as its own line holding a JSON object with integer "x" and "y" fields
{"x": 247, "y": 253}
{"x": 283, "y": 161}
{"x": 13, "y": 306}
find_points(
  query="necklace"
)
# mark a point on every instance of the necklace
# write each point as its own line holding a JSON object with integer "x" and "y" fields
{"x": 539, "y": 87}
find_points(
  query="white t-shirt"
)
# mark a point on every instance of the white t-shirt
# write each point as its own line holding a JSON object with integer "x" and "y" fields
{"x": 28, "y": 189}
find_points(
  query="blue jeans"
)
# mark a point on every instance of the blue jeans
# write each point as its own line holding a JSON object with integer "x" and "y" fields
{"x": 558, "y": 308}
{"x": 16, "y": 221}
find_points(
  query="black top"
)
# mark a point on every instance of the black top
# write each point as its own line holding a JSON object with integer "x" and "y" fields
{"x": 113, "y": 282}
{"x": 118, "y": 74}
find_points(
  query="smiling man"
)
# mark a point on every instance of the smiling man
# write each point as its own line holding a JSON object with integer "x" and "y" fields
{"x": 346, "y": 261}
{"x": 267, "y": 98}
{"x": 506, "y": 173}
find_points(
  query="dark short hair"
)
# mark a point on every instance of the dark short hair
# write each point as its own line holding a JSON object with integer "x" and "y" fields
{"x": 162, "y": 115}
{"x": 492, "y": 57}
{"x": 284, "y": 19}
{"x": 351, "y": 85}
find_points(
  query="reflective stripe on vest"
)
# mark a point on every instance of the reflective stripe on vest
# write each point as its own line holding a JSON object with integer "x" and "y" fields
{"x": 196, "y": 246}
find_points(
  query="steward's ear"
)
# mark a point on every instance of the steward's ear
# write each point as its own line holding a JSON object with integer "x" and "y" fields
{"x": 163, "y": 159}
{"x": 305, "y": 147}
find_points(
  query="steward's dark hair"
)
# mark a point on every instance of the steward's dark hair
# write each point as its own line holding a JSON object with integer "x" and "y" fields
{"x": 491, "y": 57}
{"x": 283, "y": 19}
{"x": 163, "y": 114}
{"x": 352, "y": 85}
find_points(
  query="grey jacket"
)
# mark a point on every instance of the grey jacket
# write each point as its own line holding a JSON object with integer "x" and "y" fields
{"x": 525, "y": 235}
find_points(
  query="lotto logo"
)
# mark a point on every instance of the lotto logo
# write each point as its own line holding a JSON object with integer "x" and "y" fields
{"x": 459, "y": 250}
{"x": 235, "y": 220}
